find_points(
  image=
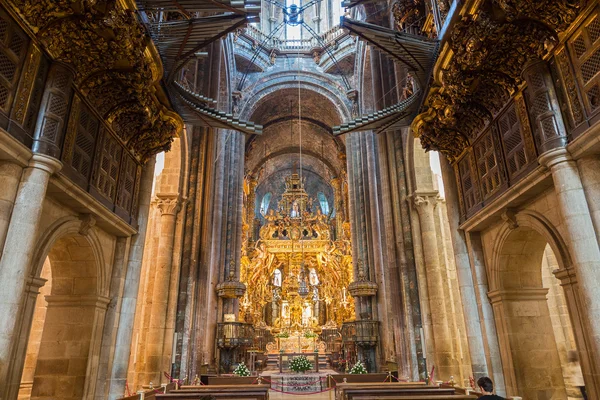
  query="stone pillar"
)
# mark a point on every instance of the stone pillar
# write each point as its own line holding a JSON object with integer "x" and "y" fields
{"x": 18, "y": 360}
{"x": 367, "y": 233}
{"x": 486, "y": 313}
{"x": 582, "y": 243}
{"x": 16, "y": 260}
{"x": 405, "y": 309}
{"x": 78, "y": 362}
{"x": 118, "y": 373}
{"x": 589, "y": 170}
{"x": 580, "y": 235}
{"x": 445, "y": 361}
{"x": 10, "y": 175}
{"x": 527, "y": 340}
{"x": 168, "y": 205}
{"x": 571, "y": 290}
{"x": 465, "y": 277}
{"x": 117, "y": 281}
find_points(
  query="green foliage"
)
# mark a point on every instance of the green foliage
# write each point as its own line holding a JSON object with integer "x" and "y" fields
{"x": 309, "y": 334}
{"x": 241, "y": 370}
{"x": 300, "y": 364}
{"x": 358, "y": 368}
{"x": 283, "y": 335}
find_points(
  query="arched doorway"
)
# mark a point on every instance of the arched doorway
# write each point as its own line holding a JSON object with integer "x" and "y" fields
{"x": 535, "y": 334}
{"x": 66, "y": 323}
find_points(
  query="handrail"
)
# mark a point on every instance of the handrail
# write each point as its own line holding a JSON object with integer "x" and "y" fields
{"x": 327, "y": 37}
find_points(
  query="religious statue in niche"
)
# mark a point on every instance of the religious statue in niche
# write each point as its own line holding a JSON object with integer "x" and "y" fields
{"x": 312, "y": 277}
{"x": 295, "y": 211}
{"x": 277, "y": 277}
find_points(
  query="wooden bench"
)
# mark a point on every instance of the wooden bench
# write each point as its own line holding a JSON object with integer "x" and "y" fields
{"x": 223, "y": 392}
{"x": 352, "y": 391}
{"x": 149, "y": 394}
{"x": 235, "y": 380}
{"x": 359, "y": 378}
{"x": 420, "y": 397}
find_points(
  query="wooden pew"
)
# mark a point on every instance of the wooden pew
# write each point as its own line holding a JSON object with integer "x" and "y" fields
{"x": 352, "y": 391}
{"x": 359, "y": 378}
{"x": 222, "y": 392}
{"x": 149, "y": 394}
{"x": 235, "y": 380}
{"x": 420, "y": 397}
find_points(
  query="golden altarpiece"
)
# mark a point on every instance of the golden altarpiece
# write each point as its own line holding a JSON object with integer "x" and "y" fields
{"x": 297, "y": 273}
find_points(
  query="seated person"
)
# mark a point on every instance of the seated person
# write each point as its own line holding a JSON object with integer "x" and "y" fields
{"x": 487, "y": 388}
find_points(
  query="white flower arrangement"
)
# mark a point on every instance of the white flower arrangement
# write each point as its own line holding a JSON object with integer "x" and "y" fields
{"x": 300, "y": 364}
{"x": 241, "y": 370}
{"x": 358, "y": 368}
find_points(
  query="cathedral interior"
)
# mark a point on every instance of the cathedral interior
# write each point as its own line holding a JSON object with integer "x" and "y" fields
{"x": 189, "y": 185}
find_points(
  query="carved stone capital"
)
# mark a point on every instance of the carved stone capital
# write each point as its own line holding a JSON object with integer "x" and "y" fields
{"x": 555, "y": 156}
{"x": 88, "y": 221}
{"x": 566, "y": 276}
{"x": 168, "y": 204}
{"x": 362, "y": 286}
{"x": 425, "y": 200}
{"x": 510, "y": 217}
{"x": 231, "y": 289}
{"x": 46, "y": 163}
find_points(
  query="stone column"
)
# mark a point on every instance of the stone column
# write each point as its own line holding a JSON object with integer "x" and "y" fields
{"x": 589, "y": 169}
{"x": 465, "y": 277}
{"x": 571, "y": 290}
{"x": 527, "y": 342}
{"x": 445, "y": 362}
{"x": 486, "y": 313}
{"x": 10, "y": 175}
{"x": 585, "y": 254}
{"x": 118, "y": 373}
{"x": 16, "y": 260}
{"x": 18, "y": 359}
{"x": 168, "y": 205}
{"x": 367, "y": 233}
{"x": 117, "y": 281}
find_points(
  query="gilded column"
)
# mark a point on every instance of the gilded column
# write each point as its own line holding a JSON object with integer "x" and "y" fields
{"x": 17, "y": 256}
{"x": 445, "y": 362}
{"x": 168, "y": 206}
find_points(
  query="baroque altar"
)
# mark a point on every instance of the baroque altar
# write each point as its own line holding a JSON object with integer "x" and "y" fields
{"x": 297, "y": 272}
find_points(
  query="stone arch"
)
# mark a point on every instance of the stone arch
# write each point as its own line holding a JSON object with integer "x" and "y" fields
{"x": 68, "y": 334}
{"x": 72, "y": 226}
{"x": 285, "y": 80}
{"x": 519, "y": 287}
{"x": 535, "y": 222}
